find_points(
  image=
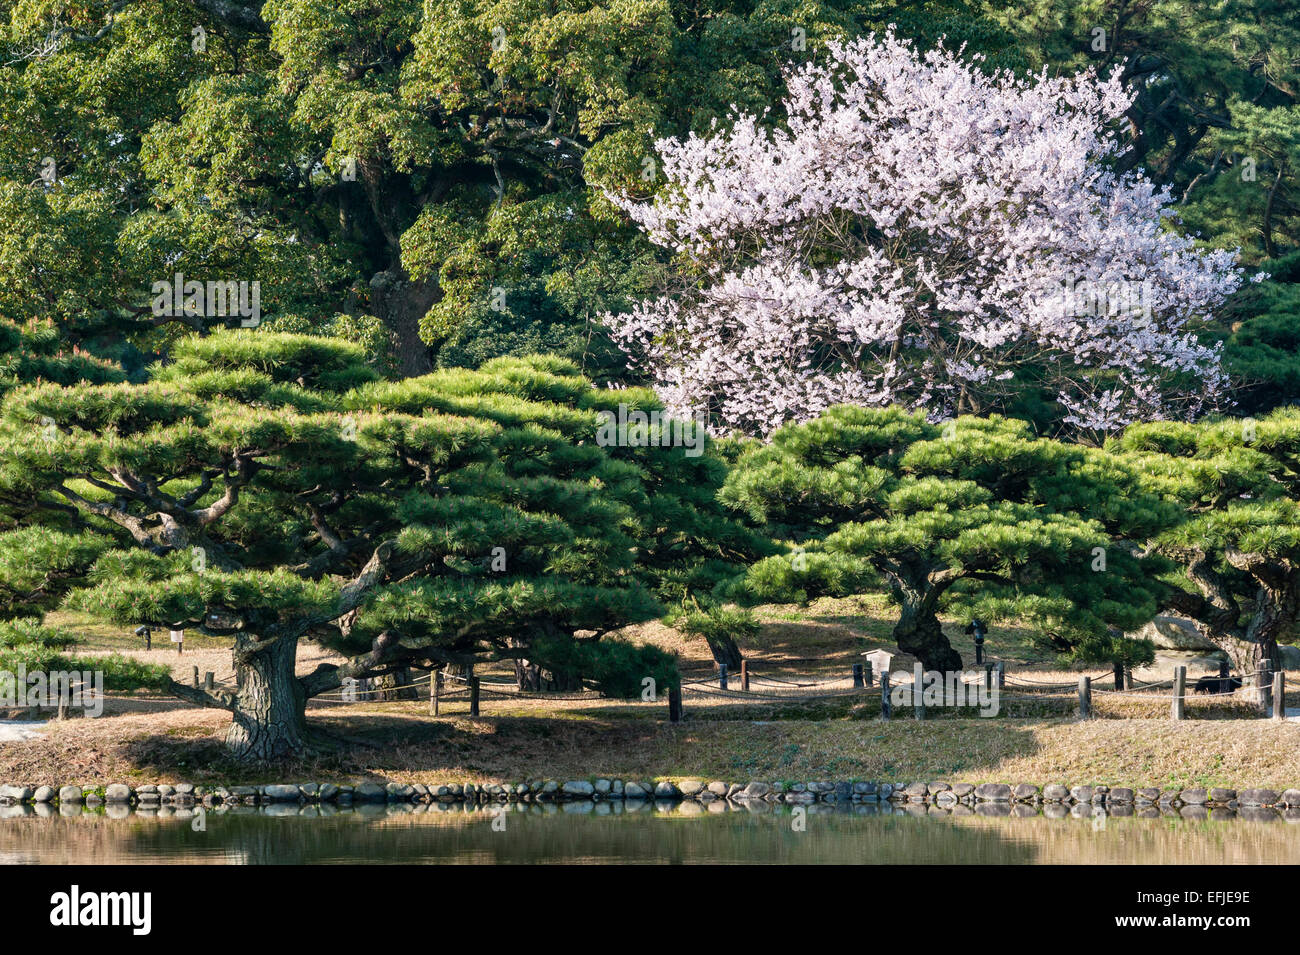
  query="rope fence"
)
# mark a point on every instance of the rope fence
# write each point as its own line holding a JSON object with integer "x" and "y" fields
{"x": 1268, "y": 690}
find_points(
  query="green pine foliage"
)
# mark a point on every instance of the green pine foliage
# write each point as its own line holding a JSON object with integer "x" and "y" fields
{"x": 972, "y": 517}
{"x": 1236, "y": 545}
{"x": 268, "y": 488}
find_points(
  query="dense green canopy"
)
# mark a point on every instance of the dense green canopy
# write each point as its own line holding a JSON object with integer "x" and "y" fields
{"x": 975, "y": 516}
{"x": 267, "y": 488}
{"x": 1236, "y": 485}
{"x": 423, "y": 177}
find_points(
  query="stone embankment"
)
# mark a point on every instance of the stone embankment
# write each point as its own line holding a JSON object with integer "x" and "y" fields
{"x": 1052, "y": 799}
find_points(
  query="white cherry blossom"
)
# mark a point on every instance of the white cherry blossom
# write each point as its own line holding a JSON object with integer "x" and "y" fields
{"x": 915, "y": 232}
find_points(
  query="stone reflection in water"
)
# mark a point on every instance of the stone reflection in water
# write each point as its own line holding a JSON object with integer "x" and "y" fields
{"x": 644, "y": 832}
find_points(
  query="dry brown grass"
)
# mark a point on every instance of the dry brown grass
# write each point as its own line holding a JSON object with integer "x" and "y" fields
{"x": 771, "y": 733}
{"x": 400, "y": 742}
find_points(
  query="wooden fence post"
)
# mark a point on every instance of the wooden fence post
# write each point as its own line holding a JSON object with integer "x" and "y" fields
{"x": 988, "y": 676}
{"x": 1265, "y": 685}
{"x": 1085, "y": 697}
{"x": 435, "y": 691}
{"x": 1128, "y": 677}
{"x": 1279, "y": 695}
{"x": 868, "y": 674}
{"x": 674, "y": 704}
{"x": 857, "y": 676}
{"x": 1002, "y": 674}
{"x": 722, "y": 676}
{"x": 1119, "y": 675}
{"x": 196, "y": 676}
{"x": 884, "y": 696}
{"x": 473, "y": 696}
{"x": 744, "y": 675}
{"x": 1179, "y": 708}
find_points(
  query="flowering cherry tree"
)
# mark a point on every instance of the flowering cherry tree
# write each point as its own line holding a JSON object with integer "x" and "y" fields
{"x": 919, "y": 232}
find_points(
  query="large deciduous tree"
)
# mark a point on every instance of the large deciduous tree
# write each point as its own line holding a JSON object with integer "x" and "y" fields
{"x": 976, "y": 516}
{"x": 415, "y": 174}
{"x": 267, "y": 488}
{"x": 916, "y": 231}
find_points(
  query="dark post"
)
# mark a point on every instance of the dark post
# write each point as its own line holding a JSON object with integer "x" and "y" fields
{"x": 1128, "y": 677}
{"x": 435, "y": 691}
{"x": 722, "y": 676}
{"x": 1002, "y": 675}
{"x": 1265, "y": 684}
{"x": 988, "y": 676}
{"x": 1119, "y": 675}
{"x": 857, "y": 676}
{"x": 884, "y": 696}
{"x": 976, "y": 627}
{"x": 674, "y": 704}
{"x": 1085, "y": 697}
{"x": 868, "y": 677}
{"x": 1279, "y": 695}
{"x": 196, "y": 676}
{"x": 209, "y": 681}
{"x": 1179, "y": 710}
{"x": 1223, "y": 669}
{"x": 473, "y": 696}
{"x": 744, "y": 675}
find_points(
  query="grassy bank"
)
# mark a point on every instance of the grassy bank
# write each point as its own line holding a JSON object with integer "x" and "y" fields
{"x": 739, "y": 737}
{"x": 394, "y": 742}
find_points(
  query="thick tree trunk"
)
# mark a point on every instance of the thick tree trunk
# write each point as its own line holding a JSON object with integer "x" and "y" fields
{"x": 1274, "y": 621}
{"x": 724, "y": 650}
{"x": 564, "y": 681}
{"x": 395, "y": 686}
{"x": 269, "y": 717}
{"x": 528, "y": 676}
{"x": 1247, "y": 657}
{"x": 459, "y": 673}
{"x": 919, "y": 633}
{"x": 400, "y": 302}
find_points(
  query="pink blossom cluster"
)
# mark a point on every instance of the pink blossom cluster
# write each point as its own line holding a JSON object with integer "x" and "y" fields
{"x": 910, "y": 233}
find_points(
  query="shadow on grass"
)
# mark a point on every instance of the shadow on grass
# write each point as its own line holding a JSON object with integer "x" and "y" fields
{"x": 836, "y": 630}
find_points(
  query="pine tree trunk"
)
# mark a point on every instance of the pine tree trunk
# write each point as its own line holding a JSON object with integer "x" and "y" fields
{"x": 458, "y": 673}
{"x": 919, "y": 633}
{"x": 528, "y": 676}
{"x": 269, "y": 719}
{"x": 564, "y": 681}
{"x": 395, "y": 686}
{"x": 724, "y": 650}
{"x": 1274, "y": 619}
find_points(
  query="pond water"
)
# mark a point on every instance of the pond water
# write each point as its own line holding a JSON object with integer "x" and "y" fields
{"x": 640, "y": 833}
